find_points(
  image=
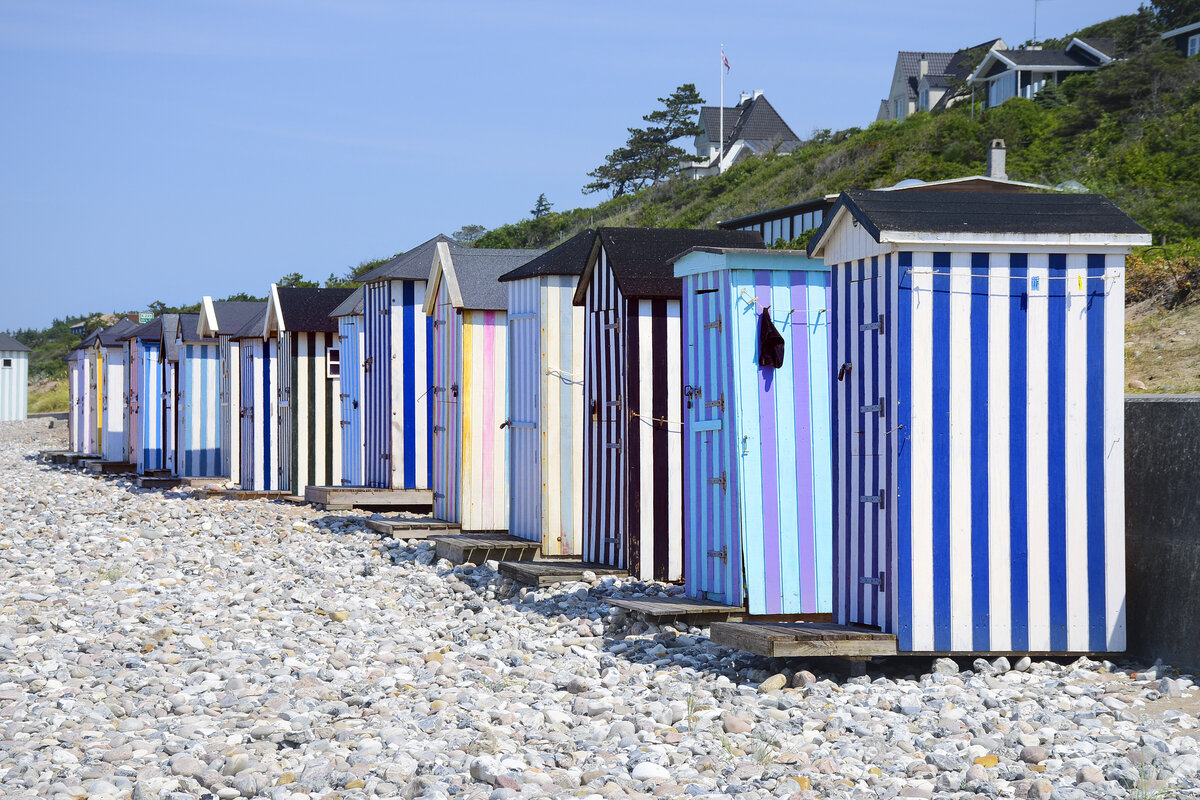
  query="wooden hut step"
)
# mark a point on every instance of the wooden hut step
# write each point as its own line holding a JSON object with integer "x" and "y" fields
{"x": 157, "y": 481}
{"x": 414, "y": 527}
{"x": 72, "y": 458}
{"x": 240, "y": 494}
{"x": 479, "y": 547}
{"x": 557, "y": 570}
{"x": 658, "y": 608}
{"x": 344, "y": 498}
{"x": 110, "y": 467}
{"x": 803, "y": 639}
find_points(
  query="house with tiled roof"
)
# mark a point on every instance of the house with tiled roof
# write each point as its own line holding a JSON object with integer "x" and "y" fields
{"x": 751, "y": 128}
{"x": 923, "y": 81}
{"x": 1004, "y": 74}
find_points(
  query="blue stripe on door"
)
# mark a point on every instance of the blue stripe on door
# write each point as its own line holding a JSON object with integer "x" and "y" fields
{"x": 1018, "y": 506}
{"x": 980, "y": 568}
{"x": 409, "y": 479}
{"x": 940, "y": 472}
{"x": 1097, "y": 633}
{"x": 1056, "y": 435}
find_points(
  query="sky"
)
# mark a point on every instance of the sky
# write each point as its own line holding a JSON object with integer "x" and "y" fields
{"x": 170, "y": 150}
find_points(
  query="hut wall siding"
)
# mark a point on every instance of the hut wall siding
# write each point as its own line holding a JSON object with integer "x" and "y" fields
{"x": 1003, "y": 526}
{"x": 114, "y": 443}
{"x": 766, "y": 534}
{"x": 259, "y": 413}
{"x": 230, "y": 400}
{"x": 398, "y": 413}
{"x": 14, "y": 385}
{"x": 447, "y": 444}
{"x": 483, "y": 405}
{"x": 350, "y": 346}
{"x": 200, "y": 368}
{"x": 133, "y": 436}
{"x": 308, "y": 433}
{"x": 96, "y": 398}
{"x": 81, "y": 388}
{"x": 633, "y": 445}
{"x": 149, "y": 407}
{"x": 169, "y": 404}
{"x": 546, "y": 413}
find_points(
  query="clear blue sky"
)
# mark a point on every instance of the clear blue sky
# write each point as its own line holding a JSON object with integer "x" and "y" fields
{"x": 168, "y": 150}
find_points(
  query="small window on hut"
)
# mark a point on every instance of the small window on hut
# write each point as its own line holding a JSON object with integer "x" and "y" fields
{"x": 333, "y": 362}
{"x": 7, "y": 363}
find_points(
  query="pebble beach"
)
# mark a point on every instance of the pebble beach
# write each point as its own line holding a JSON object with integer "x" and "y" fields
{"x": 165, "y": 645}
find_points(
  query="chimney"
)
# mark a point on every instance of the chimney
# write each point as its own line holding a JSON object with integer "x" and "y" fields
{"x": 995, "y": 160}
{"x": 923, "y": 69}
{"x": 745, "y": 97}
{"x": 757, "y": 94}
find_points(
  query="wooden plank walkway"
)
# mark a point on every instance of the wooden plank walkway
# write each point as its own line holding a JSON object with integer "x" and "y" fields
{"x": 414, "y": 527}
{"x": 803, "y": 639}
{"x": 343, "y": 498}
{"x": 110, "y": 467}
{"x": 656, "y": 608}
{"x": 479, "y": 547}
{"x": 552, "y": 571}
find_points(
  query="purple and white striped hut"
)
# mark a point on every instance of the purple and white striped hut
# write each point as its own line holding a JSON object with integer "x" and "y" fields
{"x": 977, "y": 344}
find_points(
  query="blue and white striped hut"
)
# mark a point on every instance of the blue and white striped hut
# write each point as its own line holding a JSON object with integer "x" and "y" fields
{"x": 168, "y": 363}
{"x": 545, "y": 398}
{"x": 112, "y": 391}
{"x": 221, "y": 319}
{"x": 978, "y": 412}
{"x": 758, "y": 470}
{"x": 258, "y": 383}
{"x": 397, "y": 415}
{"x": 198, "y": 401}
{"x": 633, "y": 397}
{"x": 349, "y": 318}
{"x": 14, "y": 379}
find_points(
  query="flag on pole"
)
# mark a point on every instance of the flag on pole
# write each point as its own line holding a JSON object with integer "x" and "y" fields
{"x": 724, "y": 60}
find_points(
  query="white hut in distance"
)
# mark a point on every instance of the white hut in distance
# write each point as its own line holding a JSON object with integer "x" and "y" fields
{"x": 14, "y": 379}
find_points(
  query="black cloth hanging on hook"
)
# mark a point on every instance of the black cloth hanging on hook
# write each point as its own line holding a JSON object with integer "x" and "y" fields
{"x": 770, "y": 341}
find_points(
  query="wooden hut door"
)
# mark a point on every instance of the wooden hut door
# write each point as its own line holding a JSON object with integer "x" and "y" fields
{"x": 716, "y": 564}
{"x": 249, "y": 351}
{"x": 287, "y": 414}
{"x": 524, "y": 442}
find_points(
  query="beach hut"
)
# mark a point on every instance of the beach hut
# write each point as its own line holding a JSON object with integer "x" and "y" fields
{"x": 468, "y": 305}
{"x": 221, "y": 319}
{"x": 168, "y": 363}
{"x": 109, "y": 360}
{"x": 396, "y": 409}
{"x": 14, "y": 379}
{"x": 198, "y": 401}
{"x": 633, "y": 397}
{"x": 258, "y": 411}
{"x": 309, "y": 435}
{"x": 81, "y": 401}
{"x": 545, "y": 398}
{"x": 349, "y": 318}
{"x": 757, "y": 475}
{"x": 977, "y": 353}
{"x": 149, "y": 401}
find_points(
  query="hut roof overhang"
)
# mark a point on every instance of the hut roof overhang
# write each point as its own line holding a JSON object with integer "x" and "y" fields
{"x": 302, "y": 310}
{"x": 472, "y": 276}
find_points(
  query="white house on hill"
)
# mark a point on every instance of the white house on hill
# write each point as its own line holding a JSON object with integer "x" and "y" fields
{"x": 1002, "y": 75}
{"x": 922, "y": 81}
{"x": 753, "y": 127}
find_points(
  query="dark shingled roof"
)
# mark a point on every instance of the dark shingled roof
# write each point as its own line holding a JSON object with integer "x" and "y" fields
{"x": 170, "y": 331}
{"x": 87, "y": 341}
{"x": 1042, "y": 58}
{"x": 253, "y": 326}
{"x": 113, "y": 335}
{"x": 350, "y": 306}
{"x": 752, "y": 120}
{"x": 1106, "y": 46}
{"x": 640, "y": 258}
{"x": 9, "y": 344}
{"x": 233, "y": 314}
{"x": 910, "y": 66}
{"x": 308, "y": 309}
{"x": 150, "y": 331}
{"x": 568, "y": 258}
{"x": 982, "y": 212}
{"x": 478, "y": 271}
{"x": 189, "y": 328}
{"x": 413, "y": 265}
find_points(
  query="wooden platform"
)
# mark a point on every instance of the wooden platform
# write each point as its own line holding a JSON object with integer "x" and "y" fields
{"x": 551, "y": 571}
{"x": 413, "y": 527}
{"x": 479, "y": 547}
{"x": 110, "y": 467}
{"x": 343, "y": 498}
{"x": 803, "y": 639}
{"x": 239, "y": 494}
{"x": 157, "y": 481}
{"x": 663, "y": 608}
{"x": 68, "y": 457}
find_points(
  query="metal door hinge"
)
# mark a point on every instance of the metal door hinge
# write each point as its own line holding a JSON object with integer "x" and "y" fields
{"x": 874, "y": 408}
{"x": 714, "y": 325}
{"x": 720, "y": 480}
{"x": 719, "y": 403}
{"x": 877, "y": 325}
{"x": 439, "y": 428}
{"x": 876, "y": 581}
{"x": 722, "y": 554}
{"x": 874, "y": 498}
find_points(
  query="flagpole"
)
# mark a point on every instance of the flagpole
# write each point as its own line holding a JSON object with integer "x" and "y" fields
{"x": 721, "y": 113}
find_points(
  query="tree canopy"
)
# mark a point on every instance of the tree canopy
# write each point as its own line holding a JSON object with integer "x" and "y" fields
{"x": 649, "y": 154}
